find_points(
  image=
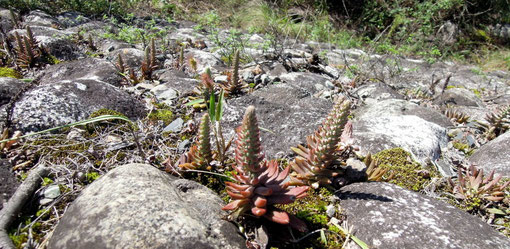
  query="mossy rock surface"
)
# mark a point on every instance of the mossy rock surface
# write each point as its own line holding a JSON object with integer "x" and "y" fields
{"x": 406, "y": 172}
{"x": 9, "y": 72}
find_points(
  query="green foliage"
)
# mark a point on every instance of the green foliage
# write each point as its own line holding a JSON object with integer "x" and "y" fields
{"x": 9, "y": 72}
{"x": 404, "y": 170}
{"x": 92, "y": 176}
{"x": 165, "y": 115}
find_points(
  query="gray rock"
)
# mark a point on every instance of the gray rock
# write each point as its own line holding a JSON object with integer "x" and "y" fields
{"x": 377, "y": 91}
{"x": 502, "y": 31}
{"x": 448, "y": 33}
{"x": 56, "y": 42}
{"x": 421, "y": 138}
{"x": 288, "y": 112}
{"x": 205, "y": 60}
{"x": 387, "y": 216}
{"x": 52, "y": 192}
{"x": 494, "y": 155}
{"x": 8, "y": 182}
{"x": 175, "y": 126}
{"x": 84, "y": 69}
{"x": 179, "y": 81}
{"x": 64, "y": 102}
{"x": 305, "y": 81}
{"x": 139, "y": 206}
{"x": 221, "y": 79}
{"x": 277, "y": 70}
{"x": 8, "y": 88}
{"x": 460, "y": 97}
{"x": 40, "y": 18}
{"x": 132, "y": 57}
{"x": 164, "y": 93}
{"x": 72, "y": 19}
{"x": 401, "y": 107}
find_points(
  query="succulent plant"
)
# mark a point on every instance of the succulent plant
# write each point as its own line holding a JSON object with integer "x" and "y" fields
{"x": 456, "y": 115}
{"x": 261, "y": 184}
{"x": 374, "y": 172}
{"x": 149, "y": 64}
{"x": 313, "y": 165}
{"x": 499, "y": 122}
{"x": 27, "y": 50}
{"x": 472, "y": 184}
{"x": 234, "y": 85}
{"x": 200, "y": 155}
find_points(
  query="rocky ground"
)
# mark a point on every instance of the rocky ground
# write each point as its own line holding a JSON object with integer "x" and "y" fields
{"x": 106, "y": 186}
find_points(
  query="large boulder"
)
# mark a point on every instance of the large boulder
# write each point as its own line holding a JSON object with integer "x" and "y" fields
{"x": 64, "y": 102}
{"x": 9, "y": 87}
{"x": 57, "y": 42}
{"x": 84, "y": 69}
{"x": 377, "y": 91}
{"x": 8, "y": 182}
{"x": 138, "y": 206}
{"x": 460, "y": 97}
{"x": 399, "y": 107}
{"x": 287, "y": 113}
{"x": 178, "y": 80}
{"x": 423, "y": 139}
{"x": 205, "y": 60}
{"x": 387, "y": 216}
{"x": 494, "y": 155}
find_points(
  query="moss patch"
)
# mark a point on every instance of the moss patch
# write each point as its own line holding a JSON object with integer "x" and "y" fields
{"x": 9, "y": 72}
{"x": 164, "y": 115}
{"x": 312, "y": 210}
{"x": 405, "y": 171}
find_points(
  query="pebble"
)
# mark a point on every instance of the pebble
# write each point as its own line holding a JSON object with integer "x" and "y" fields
{"x": 52, "y": 192}
{"x": 175, "y": 126}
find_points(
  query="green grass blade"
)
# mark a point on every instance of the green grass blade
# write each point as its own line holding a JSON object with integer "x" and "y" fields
{"x": 83, "y": 122}
{"x": 212, "y": 107}
{"x": 219, "y": 107}
{"x": 196, "y": 101}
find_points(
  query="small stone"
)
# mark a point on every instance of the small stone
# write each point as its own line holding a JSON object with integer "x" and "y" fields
{"x": 266, "y": 79}
{"x": 144, "y": 86}
{"x": 45, "y": 201}
{"x": 319, "y": 87}
{"x": 175, "y": 126}
{"x": 330, "y": 211}
{"x": 183, "y": 145}
{"x": 52, "y": 192}
{"x": 329, "y": 85}
{"x": 221, "y": 79}
{"x": 248, "y": 76}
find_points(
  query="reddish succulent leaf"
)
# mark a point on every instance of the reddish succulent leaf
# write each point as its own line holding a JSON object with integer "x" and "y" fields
{"x": 234, "y": 204}
{"x": 258, "y": 211}
{"x": 260, "y": 201}
{"x": 278, "y": 216}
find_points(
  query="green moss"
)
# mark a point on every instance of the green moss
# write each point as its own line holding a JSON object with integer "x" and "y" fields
{"x": 46, "y": 181}
{"x": 406, "y": 172}
{"x": 477, "y": 92}
{"x": 92, "y": 176}
{"x": 9, "y": 72}
{"x": 312, "y": 210}
{"x": 18, "y": 239}
{"x": 164, "y": 115}
{"x": 105, "y": 111}
{"x": 464, "y": 148}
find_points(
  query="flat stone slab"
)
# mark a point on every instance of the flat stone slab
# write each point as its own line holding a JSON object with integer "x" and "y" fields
{"x": 495, "y": 155}
{"x": 139, "y": 206}
{"x": 387, "y": 216}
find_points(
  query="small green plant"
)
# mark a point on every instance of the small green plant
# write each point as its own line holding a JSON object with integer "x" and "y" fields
{"x": 473, "y": 188}
{"x": 261, "y": 184}
{"x": 92, "y": 176}
{"x": 498, "y": 122}
{"x": 27, "y": 49}
{"x": 314, "y": 164}
{"x": 456, "y": 115}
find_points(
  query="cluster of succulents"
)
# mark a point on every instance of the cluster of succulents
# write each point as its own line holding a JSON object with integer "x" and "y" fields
{"x": 499, "y": 122}
{"x": 149, "y": 64}
{"x": 28, "y": 51}
{"x": 472, "y": 184}
{"x": 261, "y": 184}
{"x": 456, "y": 115}
{"x": 314, "y": 165}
